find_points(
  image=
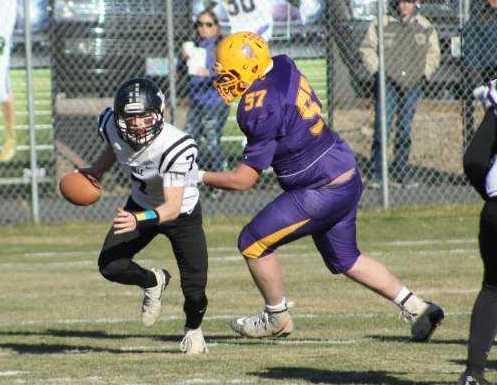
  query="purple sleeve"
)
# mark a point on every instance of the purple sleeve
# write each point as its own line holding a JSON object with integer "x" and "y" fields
{"x": 260, "y": 118}
{"x": 261, "y": 142}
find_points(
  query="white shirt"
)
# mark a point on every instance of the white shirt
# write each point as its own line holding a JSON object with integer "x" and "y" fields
{"x": 169, "y": 160}
{"x": 250, "y": 15}
{"x": 8, "y": 16}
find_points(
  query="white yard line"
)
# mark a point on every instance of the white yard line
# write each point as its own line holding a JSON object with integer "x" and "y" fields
{"x": 418, "y": 242}
{"x": 285, "y": 253}
{"x": 8, "y": 373}
{"x": 215, "y": 317}
{"x": 217, "y": 381}
{"x": 426, "y": 242}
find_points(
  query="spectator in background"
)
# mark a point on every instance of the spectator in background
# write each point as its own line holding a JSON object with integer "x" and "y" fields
{"x": 207, "y": 113}
{"x": 7, "y": 22}
{"x": 412, "y": 54}
{"x": 479, "y": 56}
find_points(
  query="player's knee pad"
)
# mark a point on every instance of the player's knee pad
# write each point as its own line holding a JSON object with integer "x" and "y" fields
{"x": 195, "y": 304}
{"x": 114, "y": 269}
{"x": 194, "y": 308}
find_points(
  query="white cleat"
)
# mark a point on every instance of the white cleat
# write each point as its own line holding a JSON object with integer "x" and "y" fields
{"x": 264, "y": 324}
{"x": 152, "y": 296}
{"x": 193, "y": 342}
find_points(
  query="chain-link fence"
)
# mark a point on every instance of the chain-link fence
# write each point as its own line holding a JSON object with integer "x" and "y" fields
{"x": 402, "y": 88}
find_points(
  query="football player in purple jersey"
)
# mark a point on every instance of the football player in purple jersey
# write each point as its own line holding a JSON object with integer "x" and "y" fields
{"x": 280, "y": 115}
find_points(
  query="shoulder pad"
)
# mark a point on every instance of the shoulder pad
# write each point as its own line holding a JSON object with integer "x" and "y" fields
{"x": 103, "y": 119}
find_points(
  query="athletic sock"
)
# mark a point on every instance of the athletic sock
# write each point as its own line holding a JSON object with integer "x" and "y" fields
{"x": 408, "y": 301}
{"x": 282, "y": 306}
{"x": 483, "y": 328}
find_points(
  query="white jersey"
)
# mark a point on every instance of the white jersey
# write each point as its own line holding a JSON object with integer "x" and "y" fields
{"x": 7, "y": 21}
{"x": 250, "y": 15}
{"x": 168, "y": 161}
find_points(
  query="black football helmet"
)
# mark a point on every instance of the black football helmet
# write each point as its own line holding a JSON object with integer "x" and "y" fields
{"x": 139, "y": 111}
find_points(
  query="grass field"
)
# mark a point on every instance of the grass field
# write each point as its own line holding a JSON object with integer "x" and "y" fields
{"x": 62, "y": 323}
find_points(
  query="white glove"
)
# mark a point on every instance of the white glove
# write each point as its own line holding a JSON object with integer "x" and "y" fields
{"x": 491, "y": 180}
{"x": 487, "y": 94}
{"x": 201, "y": 174}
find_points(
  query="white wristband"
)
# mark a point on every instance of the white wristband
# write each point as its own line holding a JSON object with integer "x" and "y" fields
{"x": 201, "y": 174}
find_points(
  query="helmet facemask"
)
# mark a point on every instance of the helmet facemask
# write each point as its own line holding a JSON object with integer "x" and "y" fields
{"x": 139, "y": 112}
{"x": 139, "y": 129}
{"x": 228, "y": 84}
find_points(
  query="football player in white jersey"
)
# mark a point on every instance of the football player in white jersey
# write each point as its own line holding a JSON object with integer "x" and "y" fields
{"x": 161, "y": 163}
{"x": 7, "y": 22}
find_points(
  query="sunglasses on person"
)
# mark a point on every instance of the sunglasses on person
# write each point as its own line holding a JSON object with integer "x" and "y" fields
{"x": 208, "y": 24}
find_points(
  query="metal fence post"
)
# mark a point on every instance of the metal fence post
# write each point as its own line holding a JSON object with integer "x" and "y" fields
{"x": 31, "y": 118}
{"x": 171, "y": 60}
{"x": 381, "y": 90}
{"x": 330, "y": 60}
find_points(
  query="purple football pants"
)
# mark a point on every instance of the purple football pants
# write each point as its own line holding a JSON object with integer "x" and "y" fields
{"x": 327, "y": 213}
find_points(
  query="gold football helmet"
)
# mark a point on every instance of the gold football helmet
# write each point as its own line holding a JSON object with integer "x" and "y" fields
{"x": 241, "y": 58}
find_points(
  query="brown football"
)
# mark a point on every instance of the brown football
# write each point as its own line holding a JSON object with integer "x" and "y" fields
{"x": 79, "y": 188}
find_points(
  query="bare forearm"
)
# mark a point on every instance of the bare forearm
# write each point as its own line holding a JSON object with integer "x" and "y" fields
{"x": 104, "y": 162}
{"x": 227, "y": 180}
{"x": 171, "y": 209}
{"x": 168, "y": 213}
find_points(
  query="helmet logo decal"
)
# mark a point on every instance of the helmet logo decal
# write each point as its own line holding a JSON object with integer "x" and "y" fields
{"x": 134, "y": 108}
{"x": 247, "y": 51}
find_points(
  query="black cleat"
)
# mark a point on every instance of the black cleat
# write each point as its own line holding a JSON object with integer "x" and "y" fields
{"x": 469, "y": 378}
{"x": 424, "y": 324}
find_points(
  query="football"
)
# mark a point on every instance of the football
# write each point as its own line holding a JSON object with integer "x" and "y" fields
{"x": 79, "y": 188}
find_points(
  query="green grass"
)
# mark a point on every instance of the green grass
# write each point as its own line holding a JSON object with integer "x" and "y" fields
{"x": 62, "y": 323}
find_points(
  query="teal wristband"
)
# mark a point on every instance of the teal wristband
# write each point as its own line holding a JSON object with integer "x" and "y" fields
{"x": 146, "y": 219}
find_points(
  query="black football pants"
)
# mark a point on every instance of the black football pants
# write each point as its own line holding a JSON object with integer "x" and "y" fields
{"x": 187, "y": 238}
{"x": 477, "y": 160}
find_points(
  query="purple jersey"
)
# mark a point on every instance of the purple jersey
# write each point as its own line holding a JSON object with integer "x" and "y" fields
{"x": 281, "y": 116}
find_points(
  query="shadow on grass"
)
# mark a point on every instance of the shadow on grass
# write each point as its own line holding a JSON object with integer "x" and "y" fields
{"x": 406, "y": 339}
{"x": 227, "y": 339}
{"x": 58, "y": 348}
{"x": 320, "y": 376}
{"x": 69, "y": 348}
{"x": 489, "y": 365}
{"x": 42, "y": 348}
{"x": 100, "y": 334}
{"x": 96, "y": 334}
